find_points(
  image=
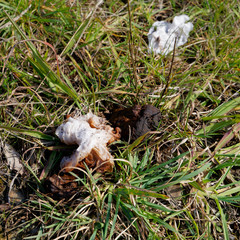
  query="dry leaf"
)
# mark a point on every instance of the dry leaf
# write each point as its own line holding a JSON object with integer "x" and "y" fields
{"x": 15, "y": 196}
{"x": 13, "y": 158}
{"x": 62, "y": 186}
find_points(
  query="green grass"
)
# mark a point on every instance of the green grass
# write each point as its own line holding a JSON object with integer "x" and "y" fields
{"x": 61, "y": 57}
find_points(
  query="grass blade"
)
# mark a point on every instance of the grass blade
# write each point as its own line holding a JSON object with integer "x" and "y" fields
{"x": 140, "y": 192}
{"x": 226, "y": 107}
{"x": 105, "y": 229}
{"x": 115, "y": 216}
{"x": 224, "y": 222}
{"x": 42, "y": 67}
{"x": 228, "y": 137}
{"x": 30, "y": 133}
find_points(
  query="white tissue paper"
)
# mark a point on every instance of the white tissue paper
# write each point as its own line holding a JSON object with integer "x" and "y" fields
{"x": 92, "y": 134}
{"x": 162, "y": 35}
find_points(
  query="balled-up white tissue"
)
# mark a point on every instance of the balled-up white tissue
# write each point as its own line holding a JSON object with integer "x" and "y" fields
{"x": 92, "y": 134}
{"x": 162, "y": 35}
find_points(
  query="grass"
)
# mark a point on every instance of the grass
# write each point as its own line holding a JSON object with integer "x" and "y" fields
{"x": 62, "y": 57}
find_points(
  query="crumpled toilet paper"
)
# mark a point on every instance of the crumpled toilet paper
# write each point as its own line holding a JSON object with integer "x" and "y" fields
{"x": 162, "y": 35}
{"x": 93, "y": 135}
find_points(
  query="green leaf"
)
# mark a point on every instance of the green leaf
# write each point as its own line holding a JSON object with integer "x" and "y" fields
{"x": 148, "y": 155}
{"x": 213, "y": 128}
{"x": 230, "y": 192}
{"x": 115, "y": 216}
{"x": 105, "y": 230}
{"x": 197, "y": 186}
{"x": 185, "y": 177}
{"x": 31, "y": 133}
{"x": 231, "y": 151}
{"x": 224, "y": 222}
{"x": 228, "y": 137}
{"x": 49, "y": 165}
{"x": 134, "y": 144}
{"x": 226, "y": 107}
{"x": 76, "y": 36}
{"x": 162, "y": 222}
{"x": 43, "y": 69}
{"x": 155, "y": 206}
{"x": 230, "y": 199}
{"x": 140, "y": 192}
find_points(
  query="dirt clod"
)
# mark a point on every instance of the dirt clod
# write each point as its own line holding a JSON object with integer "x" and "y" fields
{"x": 135, "y": 121}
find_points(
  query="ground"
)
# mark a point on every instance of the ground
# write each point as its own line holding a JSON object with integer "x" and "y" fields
{"x": 66, "y": 58}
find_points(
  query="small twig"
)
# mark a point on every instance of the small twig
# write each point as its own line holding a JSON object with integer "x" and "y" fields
{"x": 170, "y": 73}
{"x": 130, "y": 44}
